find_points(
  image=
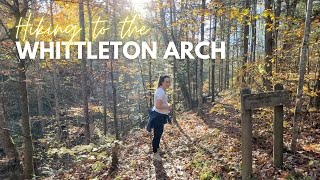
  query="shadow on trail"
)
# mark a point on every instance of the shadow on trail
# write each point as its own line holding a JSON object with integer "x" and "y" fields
{"x": 227, "y": 122}
{"x": 169, "y": 156}
{"x": 194, "y": 144}
{"x": 160, "y": 171}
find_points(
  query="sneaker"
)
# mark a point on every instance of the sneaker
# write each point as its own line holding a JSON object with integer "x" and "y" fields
{"x": 160, "y": 151}
{"x": 156, "y": 156}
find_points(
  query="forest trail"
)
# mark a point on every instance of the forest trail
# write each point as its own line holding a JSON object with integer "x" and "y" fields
{"x": 195, "y": 148}
{"x": 188, "y": 146}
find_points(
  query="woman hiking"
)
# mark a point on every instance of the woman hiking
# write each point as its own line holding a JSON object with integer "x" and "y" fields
{"x": 159, "y": 115}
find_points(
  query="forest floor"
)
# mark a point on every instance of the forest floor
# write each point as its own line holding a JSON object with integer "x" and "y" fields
{"x": 210, "y": 148}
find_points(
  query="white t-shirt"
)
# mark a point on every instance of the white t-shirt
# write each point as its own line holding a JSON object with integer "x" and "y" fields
{"x": 161, "y": 94}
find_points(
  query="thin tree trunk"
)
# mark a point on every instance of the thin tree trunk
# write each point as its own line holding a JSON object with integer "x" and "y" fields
{"x": 90, "y": 33}
{"x": 276, "y": 31}
{"x": 302, "y": 71}
{"x": 150, "y": 82}
{"x": 221, "y": 61}
{"x": 195, "y": 83}
{"x": 189, "y": 78}
{"x": 84, "y": 75}
{"x": 254, "y": 31}
{"x": 245, "y": 46}
{"x": 213, "y": 62}
{"x": 56, "y": 82}
{"x": 25, "y": 122}
{"x": 91, "y": 83}
{"x": 210, "y": 37}
{"x": 317, "y": 86}
{"x": 237, "y": 42}
{"x": 233, "y": 59}
{"x": 268, "y": 47}
{"x": 39, "y": 88}
{"x": 114, "y": 89}
{"x": 174, "y": 37}
{"x": 104, "y": 94}
{"x": 200, "y": 65}
{"x": 227, "y": 68}
{"x": 105, "y": 73}
{"x": 115, "y": 148}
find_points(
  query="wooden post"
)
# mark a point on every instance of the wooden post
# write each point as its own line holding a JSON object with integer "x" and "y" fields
{"x": 278, "y": 131}
{"x": 246, "y": 138}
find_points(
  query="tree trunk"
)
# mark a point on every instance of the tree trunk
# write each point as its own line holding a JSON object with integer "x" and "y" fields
{"x": 90, "y": 35}
{"x": 150, "y": 83}
{"x": 200, "y": 66}
{"x": 104, "y": 94}
{"x": 317, "y": 86}
{"x": 213, "y": 62}
{"x": 276, "y": 30}
{"x": 254, "y": 31}
{"x": 56, "y": 83}
{"x": 234, "y": 48}
{"x": 189, "y": 79}
{"x": 114, "y": 89}
{"x": 245, "y": 45}
{"x": 302, "y": 71}
{"x": 195, "y": 84}
{"x": 84, "y": 75}
{"x": 104, "y": 88}
{"x": 90, "y": 79}
{"x": 39, "y": 88}
{"x": 174, "y": 37}
{"x": 227, "y": 67}
{"x": 25, "y": 122}
{"x": 210, "y": 37}
{"x": 268, "y": 48}
{"x": 221, "y": 61}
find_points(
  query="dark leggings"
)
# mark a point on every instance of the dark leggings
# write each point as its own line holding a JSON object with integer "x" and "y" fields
{"x": 158, "y": 130}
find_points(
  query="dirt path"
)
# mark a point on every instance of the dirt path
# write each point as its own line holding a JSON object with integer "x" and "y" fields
{"x": 193, "y": 147}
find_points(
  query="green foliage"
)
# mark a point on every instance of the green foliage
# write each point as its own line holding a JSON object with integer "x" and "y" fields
{"x": 219, "y": 110}
{"x": 207, "y": 174}
{"x": 82, "y": 151}
{"x": 201, "y": 164}
{"x": 98, "y": 166}
{"x": 294, "y": 176}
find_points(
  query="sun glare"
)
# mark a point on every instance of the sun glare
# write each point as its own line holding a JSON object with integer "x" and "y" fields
{"x": 140, "y": 5}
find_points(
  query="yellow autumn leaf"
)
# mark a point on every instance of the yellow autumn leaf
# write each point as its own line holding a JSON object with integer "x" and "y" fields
{"x": 246, "y": 12}
{"x": 265, "y": 13}
{"x": 313, "y": 109}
